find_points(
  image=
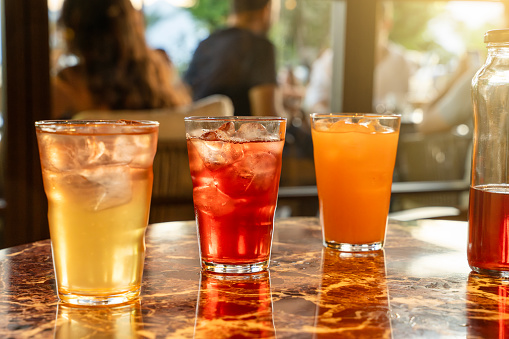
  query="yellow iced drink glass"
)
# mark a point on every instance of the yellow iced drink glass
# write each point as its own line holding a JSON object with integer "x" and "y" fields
{"x": 98, "y": 180}
{"x": 354, "y": 162}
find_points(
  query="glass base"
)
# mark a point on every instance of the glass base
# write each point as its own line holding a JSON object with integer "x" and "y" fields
{"x": 235, "y": 269}
{"x": 493, "y": 273}
{"x": 98, "y": 300}
{"x": 344, "y": 247}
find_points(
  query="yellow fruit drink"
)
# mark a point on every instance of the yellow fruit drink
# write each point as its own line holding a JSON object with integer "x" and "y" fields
{"x": 354, "y": 162}
{"x": 98, "y": 181}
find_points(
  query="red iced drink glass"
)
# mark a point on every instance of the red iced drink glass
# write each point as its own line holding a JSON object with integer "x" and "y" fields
{"x": 235, "y": 165}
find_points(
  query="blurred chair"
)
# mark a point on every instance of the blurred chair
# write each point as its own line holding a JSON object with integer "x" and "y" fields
{"x": 172, "y": 194}
{"x": 439, "y": 157}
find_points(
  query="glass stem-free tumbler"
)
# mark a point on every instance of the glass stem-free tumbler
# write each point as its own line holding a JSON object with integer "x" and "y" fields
{"x": 98, "y": 180}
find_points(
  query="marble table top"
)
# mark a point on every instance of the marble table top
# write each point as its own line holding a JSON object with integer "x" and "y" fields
{"x": 420, "y": 286}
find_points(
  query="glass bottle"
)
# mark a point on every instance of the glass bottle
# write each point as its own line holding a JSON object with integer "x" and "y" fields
{"x": 488, "y": 238}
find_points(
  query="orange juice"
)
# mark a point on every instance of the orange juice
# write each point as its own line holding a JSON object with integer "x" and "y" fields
{"x": 354, "y": 162}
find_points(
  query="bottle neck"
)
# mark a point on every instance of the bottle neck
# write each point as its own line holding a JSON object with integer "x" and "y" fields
{"x": 498, "y": 49}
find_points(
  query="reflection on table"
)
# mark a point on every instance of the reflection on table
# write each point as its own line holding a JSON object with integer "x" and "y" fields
{"x": 234, "y": 306}
{"x": 98, "y": 322}
{"x": 419, "y": 286}
{"x": 487, "y": 308}
{"x": 353, "y": 296}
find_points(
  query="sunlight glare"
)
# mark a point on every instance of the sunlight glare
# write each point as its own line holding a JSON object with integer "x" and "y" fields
{"x": 137, "y": 4}
{"x": 475, "y": 13}
{"x": 183, "y": 3}
{"x": 55, "y": 5}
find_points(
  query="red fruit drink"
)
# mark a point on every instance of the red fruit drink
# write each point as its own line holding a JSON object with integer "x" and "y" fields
{"x": 488, "y": 239}
{"x": 235, "y": 180}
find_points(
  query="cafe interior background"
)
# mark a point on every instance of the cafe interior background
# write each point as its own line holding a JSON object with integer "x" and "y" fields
{"x": 437, "y": 38}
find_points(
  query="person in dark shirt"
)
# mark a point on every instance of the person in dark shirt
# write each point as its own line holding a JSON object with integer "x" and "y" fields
{"x": 239, "y": 62}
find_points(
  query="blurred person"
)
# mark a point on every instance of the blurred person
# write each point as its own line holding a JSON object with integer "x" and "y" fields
{"x": 298, "y": 132}
{"x": 181, "y": 89}
{"x": 391, "y": 79}
{"x": 443, "y": 123}
{"x": 391, "y": 75}
{"x": 292, "y": 92}
{"x": 452, "y": 106}
{"x": 318, "y": 93}
{"x": 239, "y": 61}
{"x": 115, "y": 69}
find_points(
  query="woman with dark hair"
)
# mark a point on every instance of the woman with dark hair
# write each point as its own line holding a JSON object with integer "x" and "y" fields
{"x": 116, "y": 69}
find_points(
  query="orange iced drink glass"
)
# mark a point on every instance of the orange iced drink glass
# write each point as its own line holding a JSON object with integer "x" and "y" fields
{"x": 354, "y": 161}
{"x": 98, "y": 180}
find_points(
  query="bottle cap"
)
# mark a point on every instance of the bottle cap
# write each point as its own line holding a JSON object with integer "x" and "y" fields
{"x": 497, "y": 35}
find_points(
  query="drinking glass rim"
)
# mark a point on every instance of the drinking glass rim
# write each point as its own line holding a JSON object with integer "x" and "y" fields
{"x": 71, "y": 126}
{"x": 119, "y": 122}
{"x": 235, "y": 118}
{"x": 356, "y": 115}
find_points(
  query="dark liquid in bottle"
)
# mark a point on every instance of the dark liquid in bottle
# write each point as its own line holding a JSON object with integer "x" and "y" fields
{"x": 488, "y": 238}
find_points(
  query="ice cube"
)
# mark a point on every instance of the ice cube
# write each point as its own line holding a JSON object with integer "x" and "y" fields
{"x": 226, "y": 131}
{"x": 252, "y": 131}
{"x": 216, "y": 154}
{"x": 123, "y": 149}
{"x": 101, "y": 187}
{"x": 253, "y": 174}
{"x": 58, "y": 154}
{"x": 210, "y": 136}
{"x": 210, "y": 200}
{"x": 195, "y": 133}
{"x": 374, "y": 126}
{"x": 92, "y": 151}
{"x": 210, "y": 152}
{"x": 347, "y": 125}
{"x": 368, "y": 124}
{"x": 273, "y": 147}
{"x": 61, "y": 153}
{"x": 322, "y": 125}
{"x": 196, "y": 164}
{"x": 136, "y": 150}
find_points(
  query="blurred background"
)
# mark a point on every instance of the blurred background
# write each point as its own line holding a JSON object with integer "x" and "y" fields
{"x": 414, "y": 58}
